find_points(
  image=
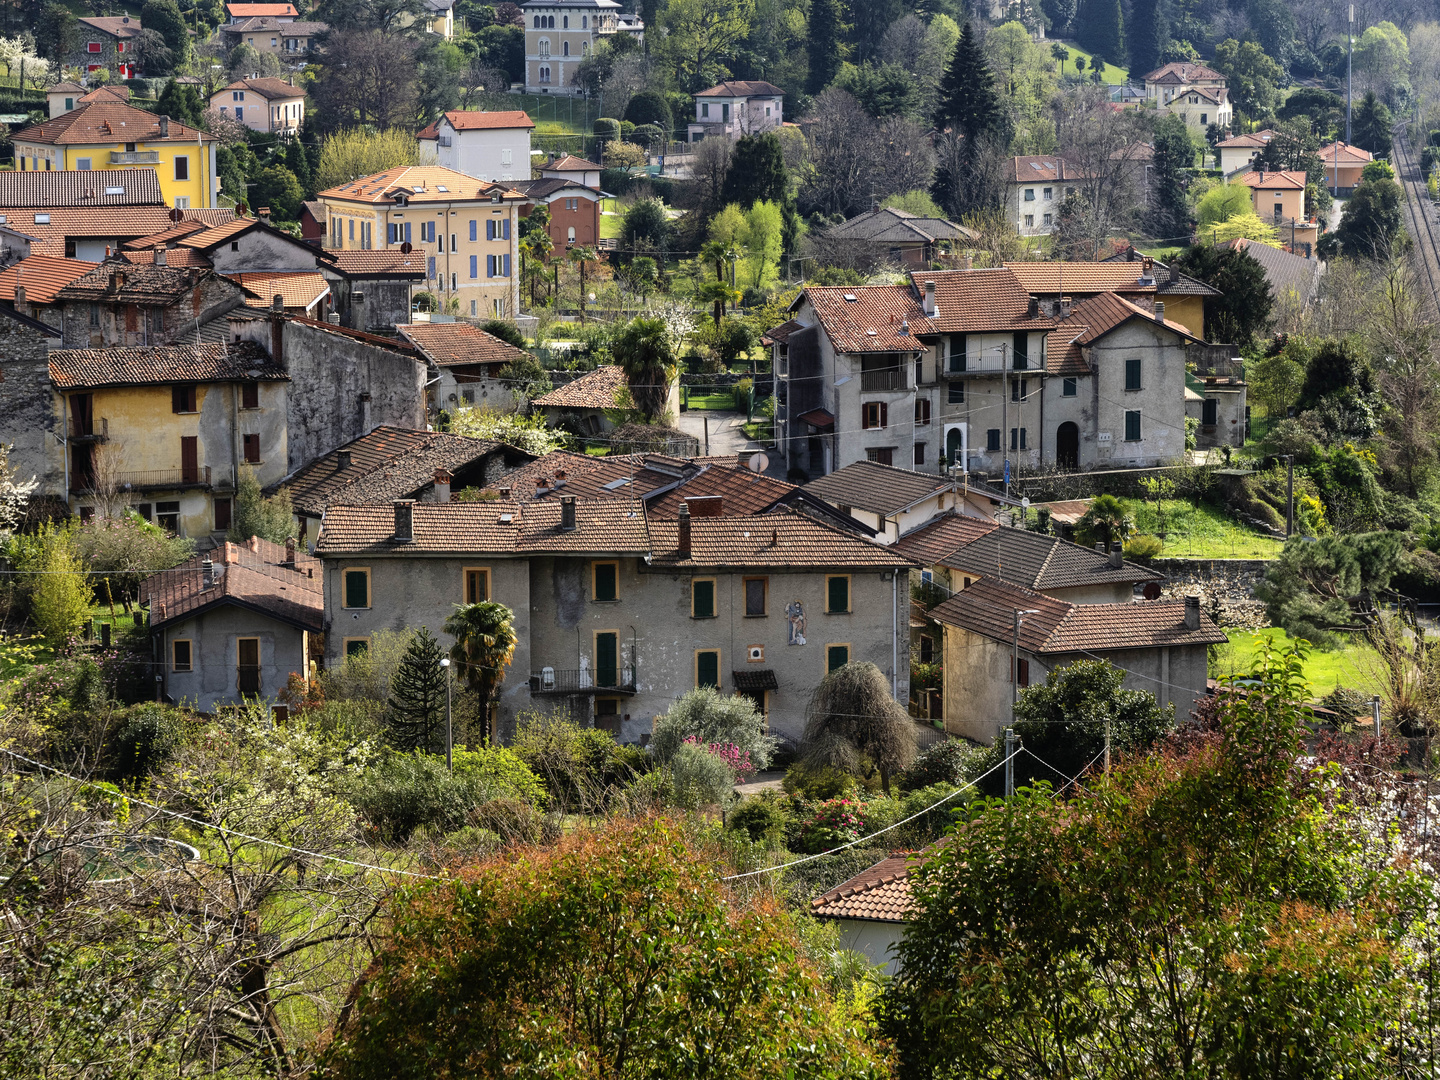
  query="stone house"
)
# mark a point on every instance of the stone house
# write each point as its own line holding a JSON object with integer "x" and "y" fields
{"x": 587, "y": 405}
{"x": 467, "y": 362}
{"x": 109, "y": 43}
{"x": 120, "y": 304}
{"x": 31, "y": 285}
{"x": 29, "y": 423}
{"x": 371, "y": 289}
{"x": 886, "y": 235}
{"x": 1161, "y": 645}
{"x": 1129, "y": 275}
{"x": 234, "y": 625}
{"x": 617, "y": 612}
{"x": 485, "y": 145}
{"x": 290, "y": 39}
{"x": 736, "y": 107}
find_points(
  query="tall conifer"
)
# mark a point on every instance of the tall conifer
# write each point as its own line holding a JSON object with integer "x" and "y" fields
{"x": 969, "y": 101}
{"x": 415, "y": 714}
{"x": 823, "y": 44}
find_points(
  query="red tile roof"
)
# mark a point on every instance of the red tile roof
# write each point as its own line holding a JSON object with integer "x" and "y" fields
{"x": 784, "y": 538}
{"x": 619, "y": 476}
{"x": 149, "y": 365}
{"x": 175, "y": 232}
{"x": 593, "y": 390}
{"x": 1036, "y": 561}
{"x": 979, "y": 301}
{"x": 1104, "y": 312}
{"x": 569, "y": 163}
{"x": 1081, "y": 277}
{"x": 300, "y": 289}
{"x": 269, "y": 89}
{"x": 932, "y": 542}
{"x": 380, "y": 264}
{"x": 1039, "y": 169}
{"x": 780, "y": 334}
{"x": 1349, "y": 155}
{"x": 1291, "y": 181}
{"x": 42, "y": 276}
{"x": 1183, "y": 73}
{"x": 1063, "y": 355}
{"x": 1252, "y": 141}
{"x": 456, "y": 344}
{"x": 876, "y": 488}
{"x": 869, "y": 318}
{"x": 138, "y": 284}
{"x": 740, "y": 492}
{"x": 102, "y": 123}
{"x": 738, "y": 88}
{"x": 119, "y": 223}
{"x": 465, "y": 120}
{"x": 480, "y": 527}
{"x": 173, "y": 257}
{"x": 879, "y": 894}
{"x": 421, "y": 184}
{"x": 247, "y": 11}
{"x": 257, "y": 578}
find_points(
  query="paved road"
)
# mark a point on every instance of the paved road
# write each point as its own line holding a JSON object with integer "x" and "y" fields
{"x": 727, "y": 436}
{"x": 765, "y": 781}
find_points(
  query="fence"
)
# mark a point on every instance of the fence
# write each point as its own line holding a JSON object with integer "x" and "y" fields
{"x": 927, "y": 736}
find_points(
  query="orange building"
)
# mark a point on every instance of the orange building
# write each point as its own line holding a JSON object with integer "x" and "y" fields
{"x": 1279, "y": 198}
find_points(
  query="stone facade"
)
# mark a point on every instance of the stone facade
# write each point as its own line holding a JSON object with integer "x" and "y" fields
{"x": 214, "y": 637}
{"x": 29, "y": 422}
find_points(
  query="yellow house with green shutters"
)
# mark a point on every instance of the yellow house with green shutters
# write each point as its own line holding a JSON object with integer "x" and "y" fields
{"x": 114, "y": 135}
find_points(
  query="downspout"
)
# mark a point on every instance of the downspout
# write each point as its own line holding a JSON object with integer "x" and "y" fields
{"x": 895, "y": 634}
{"x": 65, "y": 442}
{"x": 235, "y": 435}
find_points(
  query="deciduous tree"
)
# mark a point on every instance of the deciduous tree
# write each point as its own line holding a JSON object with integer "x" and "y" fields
{"x": 854, "y": 723}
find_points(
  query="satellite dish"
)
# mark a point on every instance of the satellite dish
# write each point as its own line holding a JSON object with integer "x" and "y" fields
{"x": 1152, "y": 590}
{"x": 177, "y": 215}
{"x": 759, "y": 462}
{"x": 1024, "y": 504}
{"x": 405, "y": 248}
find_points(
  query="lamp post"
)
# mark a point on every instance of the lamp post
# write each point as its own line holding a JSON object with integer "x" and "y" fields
{"x": 1015, "y": 658}
{"x": 445, "y": 665}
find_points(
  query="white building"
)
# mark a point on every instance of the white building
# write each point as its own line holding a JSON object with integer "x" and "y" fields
{"x": 1195, "y": 93}
{"x": 486, "y": 145}
{"x": 1035, "y": 187}
{"x": 736, "y": 108}
{"x": 561, "y": 33}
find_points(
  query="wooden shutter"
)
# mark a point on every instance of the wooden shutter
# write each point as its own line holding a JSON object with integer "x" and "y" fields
{"x": 884, "y": 414}
{"x": 249, "y": 395}
{"x": 702, "y": 599}
{"x": 248, "y": 661}
{"x": 189, "y": 459}
{"x": 607, "y": 659}
{"x": 222, "y": 514}
{"x": 755, "y": 596}
{"x": 132, "y": 317}
{"x": 836, "y": 656}
{"x": 357, "y": 589}
{"x": 837, "y": 594}
{"x": 707, "y": 668}
{"x": 252, "y": 449}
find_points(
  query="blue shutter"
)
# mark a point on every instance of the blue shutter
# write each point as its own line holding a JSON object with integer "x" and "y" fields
{"x": 489, "y": 265}
{"x": 407, "y": 232}
{"x": 474, "y": 264}
{"x": 507, "y": 228}
{"x": 430, "y": 266}
{"x": 507, "y": 263}
{"x": 489, "y": 230}
{"x": 390, "y": 233}
{"x": 472, "y": 232}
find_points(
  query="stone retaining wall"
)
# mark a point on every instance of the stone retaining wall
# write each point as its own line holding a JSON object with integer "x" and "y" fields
{"x": 1225, "y": 586}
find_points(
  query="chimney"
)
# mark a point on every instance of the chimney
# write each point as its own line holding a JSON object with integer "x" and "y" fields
{"x": 277, "y": 303}
{"x": 117, "y": 282}
{"x": 930, "y": 299}
{"x": 253, "y": 544}
{"x": 1147, "y": 267}
{"x": 744, "y": 457}
{"x": 160, "y": 257}
{"x": 290, "y": 551}
{"x": 560, "y": 478}
{"x": 364, "y": 406}
{"x": 567, "y": 513}
{"x": 1159, "y": 310}
{"x": 505, "y": 493}
{"x": 1116, "y": 552}
{"x": 1100, "y": 546}
{"x": 969, "y": 262}
{"x": 164, "y": 127}
{"x": 405, "y": 520}
{"x": 683, "y": 546}
{"x": 20, "y": 304}
{"x": 342, "y": 459}
{"x": 1260, "y": 172}
{"x": 442, "y": 486}
{"x": 1192, "y": 613}
{"x": 1033, "y": 308}
{"x": 277, "y": 336}
{"x": 706, "y": 506}
{"x": 232, "y": 552}
{"x": 1065, "y": 304}
{"x": 207, "y": 573}
{"x": 333, "y": 318}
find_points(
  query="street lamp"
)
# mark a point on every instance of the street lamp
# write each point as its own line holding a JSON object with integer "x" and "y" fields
{"x": 1015, "y": 657}
{"x": 445, "y": 664}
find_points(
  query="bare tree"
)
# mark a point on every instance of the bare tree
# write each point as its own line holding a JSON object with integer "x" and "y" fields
{"x": 368, "y": 80}
{"x": 1102, "y": 146}
{"x": 844, "y": 151}
{"x": 907, "y": 161}
{"x": 710, "y": 164}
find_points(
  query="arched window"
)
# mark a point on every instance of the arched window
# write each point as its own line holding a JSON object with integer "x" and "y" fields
{"x": 550, "y": 23}
{"x": 584, "y": 22}
{"x": 565, "y": 48}
{"x": 566, "y": 22}
{"x": 537, "y": 22}
{"x": 585, "y": 48}
{"x": 545, "y": 47}
{"x": 544, "y": 74}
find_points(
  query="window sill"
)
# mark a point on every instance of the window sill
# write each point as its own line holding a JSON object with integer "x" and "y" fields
{"x": 1133, "y": 389}
{"x": 615, "y": 601}
{"x": 701, "y": 618}
{"x": 762, "y": 615}
{"x": 839, "y": 613}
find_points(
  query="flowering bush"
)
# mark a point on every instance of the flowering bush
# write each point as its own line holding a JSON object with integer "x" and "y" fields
{"x": 836, "y": 822}
{"x": 737, "y": 759}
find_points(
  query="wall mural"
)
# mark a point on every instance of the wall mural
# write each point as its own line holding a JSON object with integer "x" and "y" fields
{"x": 795, "y": 613}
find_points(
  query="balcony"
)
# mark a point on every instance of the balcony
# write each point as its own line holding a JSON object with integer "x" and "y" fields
{"x": 990, "y": 363}
{"x": 85, "y": 430}
{"x": 134, "y": 157}
{"x": 615, "y": 680}
{"x": 157, "y": 479}
{"x": 884, "y": 379}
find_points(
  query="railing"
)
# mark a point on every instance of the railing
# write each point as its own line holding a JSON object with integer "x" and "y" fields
{"x": 991, "y": 363}
{"x": 1221, "y": 360}
{"x": 583, "y": 680}
{"x": 247, "y": 678}
{"x": 81, "y": 429}
{"x": 134, "y": 157}
{"x": 162, "y": 478}
{"x": 928, "y": 735}
{"x": 885, "y": 379}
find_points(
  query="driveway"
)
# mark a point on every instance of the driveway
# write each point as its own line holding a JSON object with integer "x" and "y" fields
{"x": 727, "y": 436}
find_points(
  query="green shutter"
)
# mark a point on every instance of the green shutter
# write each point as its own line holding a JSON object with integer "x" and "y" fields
{"x": 957, "y": 352}
{"x": 606, "y": 587}
{"x": 836, "y": 656}
{"x": 703, "y": 599}
{"x": 1132, "y": 426}
{"x": 1021, "y": 352}
{"x": 356, "y": 592}
{"x": 1132, "y": 374}
{"x": 837, "y": 594}
{"x": 707, "y": 669}
{"x": 607, "y": 660}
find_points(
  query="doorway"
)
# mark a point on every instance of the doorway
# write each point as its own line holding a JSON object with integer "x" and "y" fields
{"x": 247, "y": 662}
{"x": 1067, "y": 445}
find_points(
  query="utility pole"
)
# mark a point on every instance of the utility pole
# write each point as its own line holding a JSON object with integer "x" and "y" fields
{"x": 1289, "y": 495}
{"x": 1004, "y": 418}
{"x": 1349, "y": 74}
{"x": 1107, "y": 742}
{"x": 1015, "y": 658}
{"x": 706, "y": 421}
{"x": 445, "y": 666}
{"x": 1009, "y": 762}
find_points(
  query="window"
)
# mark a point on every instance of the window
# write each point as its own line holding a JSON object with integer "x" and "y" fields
{"x": 182, "y": 202}
{"x": 249, "y": 395}
{"x": 182, "y": 167}
{"x": 1029, "y": 221}
{"x": 564, "y": 48}
{"x": 1209, "y": 410}
{"x": 352, "y": 229}
{"x": 1023, "y": 666}
{"x": 927, "y": 649}
{"x": 356, "y": 591}
{"x": 454, "y": 282}
{"x": 180, "y": 656}
{"x": 1204, "y": 119}
{"x": 1132, "y": 425}
{"x": 922, "y": 412}
{"x": 222, "y": 514}
{"x": 474, "y": 267}
{"x": 145, "y": 510}
{"x": 82, "y": 164}
{"x": 1017, "y": 439}
{"x": 919, "y": 453}
{"x": 837, "y": 594}
{"x": 477, "y": 585}
{"x": 707, "y": 668}
{"x": 95, "y": 319}
{"x": 1049, "y": 219}
{"x": 704, "y": 109}
{"x": 584, "y": 22}
{"x": 473, "y": 309}
{"x": 252, "y": 449}
{"x": 756, "y": 594}
{"x": 247, "y": 665}
{"x": 182, "y": 399}
{"x": 605, "y": 581}
{"x": 427, "y": 233}
{"x": 836, "y": 657}
{"x": 93, "y": 47}
{"x": 702, "y": 598}
{"x": 1132, "y": 373}
{"x": 1029, "y": 194}
{"x": 956, "y": 394}
{"x": 473, "y": 226}
{"x": 1068, "y": 388}
{"x": 453, "y": 245}
{"x": 1019, "y": 389}
{"x": 881, "y": 455}
{"x": 69, "y": 103}
{"x": 1048, "y": 194}
{"x": 565, "y": 21}
{"x": 357, "y": 646}
{"x": 167, "y": 516}
{"x": 570, "y": 234}
{"x": 992, "y": 440}
{"x": 874, "y": 414}
{"x": 1020, "y": 349}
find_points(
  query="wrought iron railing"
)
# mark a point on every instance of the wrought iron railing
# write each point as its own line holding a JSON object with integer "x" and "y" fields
{"x": 583, "y": 680}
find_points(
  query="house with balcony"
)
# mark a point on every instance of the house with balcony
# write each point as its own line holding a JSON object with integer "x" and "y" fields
{"x": 1279, "y": 199}
{"x": 485, "y": 145}
{"x": 290, "y": 39}
{"x": 269, "y": 105}
{"x": 559, "y": 34}
{"x": 1129, "y": 275}
{"x": 619, "y": 610}
{"x": 109, "y": 43}
{"x": 110, "y": 134}
{"x": 120, "y": 304}
{"x": 1195, "y": 93}
{"x": 736, "y": 107}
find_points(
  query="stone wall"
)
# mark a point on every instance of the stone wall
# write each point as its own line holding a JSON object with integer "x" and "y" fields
{"x": 29, "y": 416}
{"x": 1226, "y": 588}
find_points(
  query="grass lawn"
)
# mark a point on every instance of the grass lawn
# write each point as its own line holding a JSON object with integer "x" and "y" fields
{"x": 1201, "y": 532}
{"x": 612, "y": 222}
{"x": 1350, "y": 666}
{"x": 723, "y": 401}
{"x": 1111, "y": 74}
{"x": 759, "y": 430}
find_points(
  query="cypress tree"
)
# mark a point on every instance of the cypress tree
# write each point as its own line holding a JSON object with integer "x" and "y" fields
{"x": 299, "y": 164}
{"x": 968, "y": 98}
{"x": 1147, "y": 37}
{"x": 757, "y": 171}
{"x": 415, "y": 713}
{"x": 822, "y": 44}
{"x": 1102, "y": 29}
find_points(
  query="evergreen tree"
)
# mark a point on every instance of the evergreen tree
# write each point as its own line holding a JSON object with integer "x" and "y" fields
{"x": 298, "y": 162}
{"x": 163, "y": 16}
{"x": 757, "y": 171}
{"x": 1370, "y": 125}
{"x": 822, "y": 44}
{"x": 180, "y": 103}
{"x": 415, "y": 713}
{"x": 1101, "y": 28}
{"x": 968, "y": 98}
{"x": 270, "y": 519}
{"x": 1243, "y": 307}
{"x": 1147, "y": 38}
{"x": 1174, "y": 156}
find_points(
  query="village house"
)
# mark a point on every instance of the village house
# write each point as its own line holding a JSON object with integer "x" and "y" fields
{"x": 290, "y": 39}
{"x": 120, "y": 304}
{"x": 235, "y": 624}
{"x": 574, "y": 211}
{"x": 893, "y": 501}
{"x": 886, "y": 235}
{"x": 1279, "y": 200}
{"x": 1343, "y": 165}
{"x": 870, "y": 911}
{"x": 1238, "y": 153}
{"x": 619, "y": 612}
{"x": 1035, "y": 188}
{"x": 736, "y": 107}
{"x": 108, "y": 43}
{"x": 31, "y": 285}
{"x": 572, "y": 168}
{"x": 240, "y": 12}
{"x": 104, "y": 134}
{"x": 371, "y": 289}
{"x": 1195, "y": 93}
{"x": 92, "y": 233}
{"x": 1131, "y": 276}
{"x": 61, "y": 98}
{"x": 467, "y": 364}
{"x": 587, "y": 405}
{"x": 465, "y": 229}
{"x": 92, "y": 188}
{"x": 485, "y": 145}
{"x": 269, "y": 105}
{"x": 559, "y": 34}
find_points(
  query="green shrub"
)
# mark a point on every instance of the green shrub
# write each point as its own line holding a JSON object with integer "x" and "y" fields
{"x": 502, "y": 771}
{"x": 515, "y": 822}
{"x": 1143, "y": 548}
{"x": 930, "y": 825}
{"x": 832, "y": 823}
{"x": 951, "y": 762}
{"x": 700, "y": 778}
{"x": 150, "y": 735}
{"x": 606, "y": 128}
{"x": 817, "y": 783}
{"x": 710, "y": 717}
{"x": 403, "y": 792}
{"x": 761, "y": 817}
{"x": 802, "y": 884}
{"x": 580, "y": 767}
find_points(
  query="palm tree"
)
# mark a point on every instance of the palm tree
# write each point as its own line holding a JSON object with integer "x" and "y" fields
{"x": 485, "y": 642}
{"x": 717, "y": 293}
{"x": 715, "y": 251}
{"x": 1105, "y": 520}
{"x": 583, "y": 255}
{"x": 646, "y": 354}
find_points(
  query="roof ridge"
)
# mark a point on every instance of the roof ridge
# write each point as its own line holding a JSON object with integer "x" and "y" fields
{"x": 1045, "y": 563}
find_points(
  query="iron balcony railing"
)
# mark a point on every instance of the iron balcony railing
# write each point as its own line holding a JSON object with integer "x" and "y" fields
{"x": 134, "y": 157}
{"x": 885, "y": 379}
{"x": 163, "y": 478}
{"x": 599, "y": 680}
{"x": 90, "y": 429}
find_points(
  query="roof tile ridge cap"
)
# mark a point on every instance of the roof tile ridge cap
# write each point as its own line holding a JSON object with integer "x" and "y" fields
{"x": 1045, "y": 563}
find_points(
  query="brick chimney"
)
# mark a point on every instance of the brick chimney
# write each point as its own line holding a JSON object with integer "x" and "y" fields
{"x": 232, "y": 552}
{"x": 160, "y": 257}
{"x": 567, "y": 513}
{"x": 706, "y": 506}
{"x": 683, "y": 547}
{"x": 405, "y": 520}
{"x": 930, "y": 298}
{"x": 1192, "y": 613}
{"x": 342, "y": 459}
{"x": 290, "y": 551}
{"x": 442, "y": 486}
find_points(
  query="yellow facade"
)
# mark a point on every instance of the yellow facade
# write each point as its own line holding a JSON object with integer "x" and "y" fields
{"x": 186, "y": 169}
{"x": 1188, "y": 311}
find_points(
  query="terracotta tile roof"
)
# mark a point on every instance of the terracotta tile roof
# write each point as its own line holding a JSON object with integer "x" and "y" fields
{"x": 103, "y": 123}
{"x": 215, "y": 235}
{"x": 148, "y": 365}
{"x": 1168, "y": 280}
{"x": 421, "y": 183}
{"x": 740, "y": 492}
{"x": 738, "y": 88}
{"x": 1290, "y": 181}
{"x": 65, "y": 88}
{"x": 569, "y": 163}
{"x": 890, "y": 226}
{"x": 1349, "y": 155}
{"x": 385, "y": 464}
{"x": 465, "y": 120}
{"x": 1103, "y": 312}
{"x": 106, "y": 93}
{"x": 1041, "y": 562}
{"x": 876, "y": 488}
{"x": 42, "y": 276}
{"x": 1065, "y": 511}
{"x": 101, "y": 222}
{"x": 245, "y": 11}
{"x": 879, "y": 894}
{"x": 979, "y": 301}
{"x": 141, "y": 285}
{"x": 173, "y": 257}
{"x": 1182, "y": 73}
{"x": 1041, "y": 169}
{"x": 609, "y": 527}
{"x": 178, "y": 231}
{"x": 934, "y": 540}
{"x": 727, "y": 461}
{"x": 257, "y": 578}
{"x": 547, "y": 187}
{"x": 1063, "y": 355}
{"x": 257, "y": 23}
{"x": 269, "y": 89}
{"x": 619, "y": 476}
{"x": 452, "y": 344}
{"x": 1251, "y": 141}
{"x": 1217, "y": 94}
{"x": 593, "y": 390}
{"x": 780, "y": 334}
{"x": 869, "y": 318}
{"x": 1081, "y": 277}
{"x": 429, "y": 131}
{"x": 302, "y": 289}
{"x": 387, "y": 263}
{"x": 69, "y": 187}
{"x": 783, "y": 538}
{"x": 119, "y": 26}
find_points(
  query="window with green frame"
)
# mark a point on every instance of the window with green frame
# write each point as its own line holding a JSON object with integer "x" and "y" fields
{"x": 607, "y": 581}
{"x": 702, "y": 598}
{"x": 836, "y": 657}
{"x": 837, "y": 593}
{"x": 1132, "y": 426}
{"x": 707, "y": 668}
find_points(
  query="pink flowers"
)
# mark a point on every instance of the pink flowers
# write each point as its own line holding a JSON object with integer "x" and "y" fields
{"x": 738, "y": 760}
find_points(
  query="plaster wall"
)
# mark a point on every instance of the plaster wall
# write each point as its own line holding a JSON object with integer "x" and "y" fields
{"x": 213, "y": 635}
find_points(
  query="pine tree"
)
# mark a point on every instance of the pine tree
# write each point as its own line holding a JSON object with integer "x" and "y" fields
{"x": 822, "y": 44}
{"x": 757, "y": 171}
{"x": 1174, "y": 154}
{"x": 415, "y": 713}
{"x": 1147, "y": 37}
{"x": 299, "y": 164}
{"x": 968, "y": 98}
{"x": 1101, "y": 27}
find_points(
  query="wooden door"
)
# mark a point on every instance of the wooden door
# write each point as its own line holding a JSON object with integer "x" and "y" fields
{"x": 189, "y": 459}
{"x": 607, "y": 659}
{"x": 247, "y": 662}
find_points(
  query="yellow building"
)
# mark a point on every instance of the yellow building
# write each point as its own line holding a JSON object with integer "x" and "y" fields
{"x": 113, "y": 135}
{"x": 467, "y": 231}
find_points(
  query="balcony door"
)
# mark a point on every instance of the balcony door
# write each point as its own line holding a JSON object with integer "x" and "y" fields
{"x": 189, "y": 459}
{"x": 607, "y": 658}
{"x": 247, "y": 663}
